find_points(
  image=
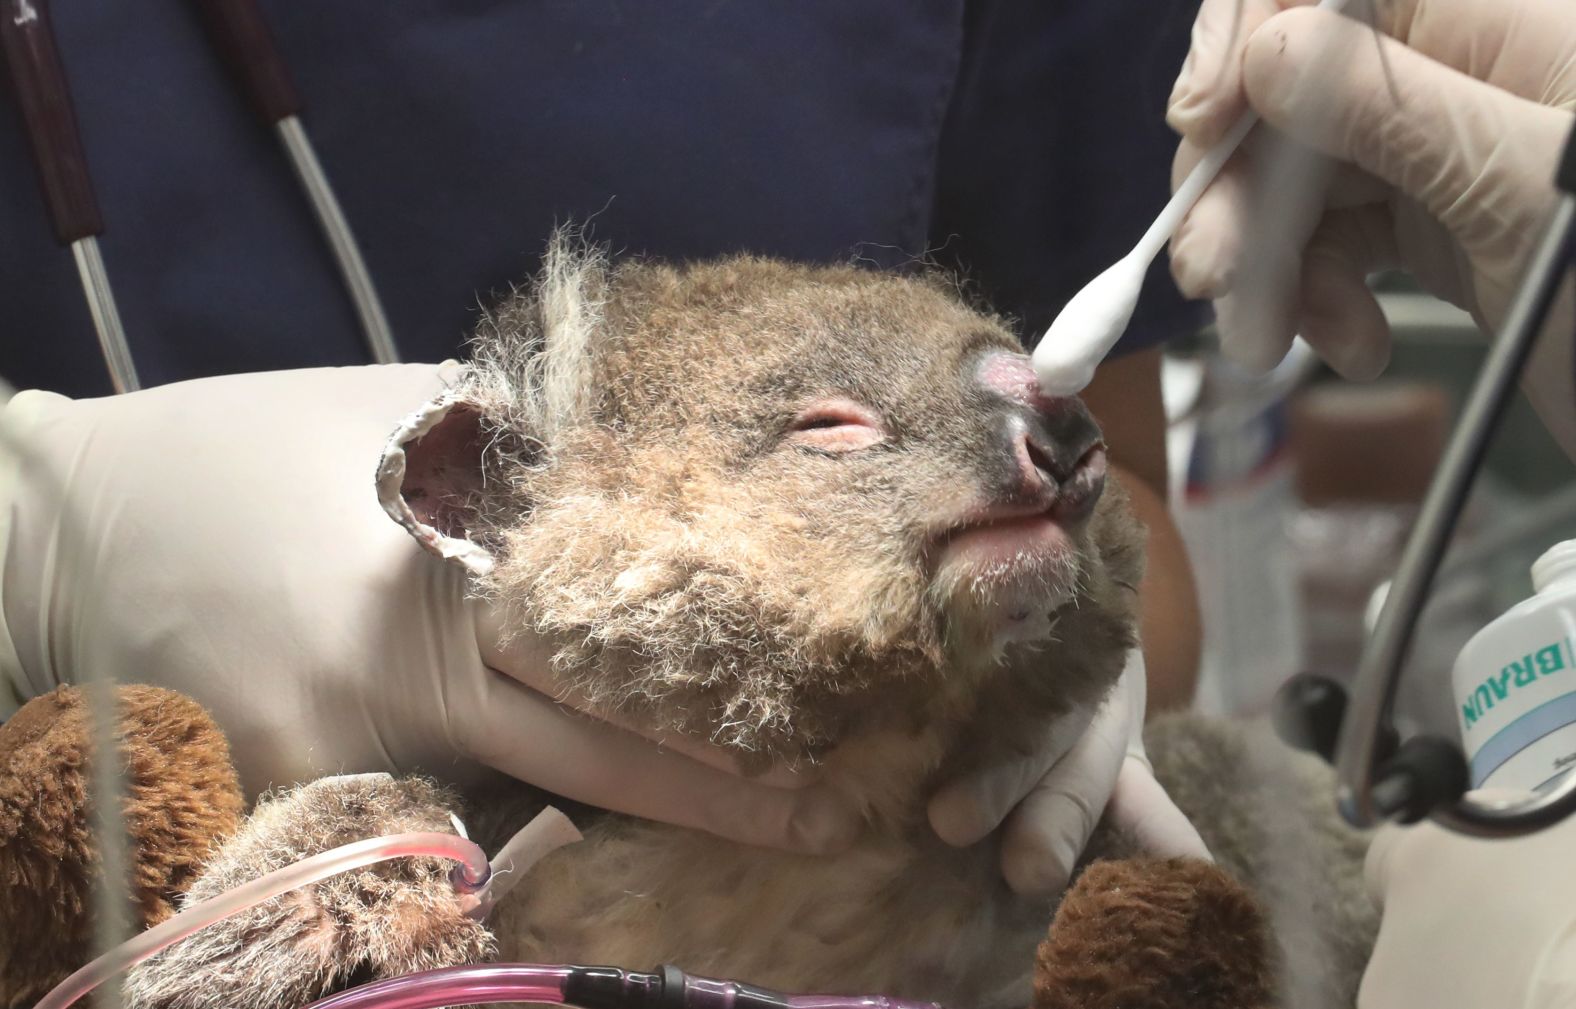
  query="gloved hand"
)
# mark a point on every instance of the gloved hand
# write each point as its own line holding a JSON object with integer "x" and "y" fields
{"x": 223, "y": 538}
{"x": 1443, "y": 136}
{"x": 1052, "y": 799}
{"x": 1471, "y": 923}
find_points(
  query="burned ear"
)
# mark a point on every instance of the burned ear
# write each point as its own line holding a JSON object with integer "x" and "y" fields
{"x": 431, "y": 478}
{"x": 528, "y": 382}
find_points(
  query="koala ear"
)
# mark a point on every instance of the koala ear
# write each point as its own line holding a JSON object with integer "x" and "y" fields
{"x": 429, "y": 475}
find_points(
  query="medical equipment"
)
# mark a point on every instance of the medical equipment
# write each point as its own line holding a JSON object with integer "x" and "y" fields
{"x": 237, "y": 30}
{"x": 474, "y": 878}
{"x": 1426, "y": 775}
{"x": 589, "y": 988}
{"x": 1380, "y": 779}
{"x": 1235, "y": 498}
{"x": 1089, "y": 325}
{"x": 1513, "y": 681}
{"x": 471, "y": 874}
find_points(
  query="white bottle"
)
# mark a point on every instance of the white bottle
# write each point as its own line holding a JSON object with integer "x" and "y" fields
{"x": 1234, "y": 504}
{"x": 1515, "y": 683}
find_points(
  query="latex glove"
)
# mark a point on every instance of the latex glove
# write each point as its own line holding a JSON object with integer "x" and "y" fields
{"x": 1049, "y": 802}
{"x": 1471, "y": 923}
{"x": 223, "y": 538}
{"x": 1441, "y": 139}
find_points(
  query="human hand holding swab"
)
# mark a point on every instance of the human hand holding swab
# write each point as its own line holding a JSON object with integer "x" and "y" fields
{"x": 1089, "y": 325}
{"x": 1435, "y": 131}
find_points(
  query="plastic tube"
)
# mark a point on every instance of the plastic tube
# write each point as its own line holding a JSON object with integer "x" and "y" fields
{"x": 450, "y": 986}
{"x": 587, "y": 987}
{"x": 470, "y": 876}
{"x": 710, "y": 993}
{"x": 855, "y": 1002}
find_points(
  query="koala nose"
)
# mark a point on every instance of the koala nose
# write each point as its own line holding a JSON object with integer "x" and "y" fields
{"x": 1062, "y": 457}
{"x": 1055, "y": 443}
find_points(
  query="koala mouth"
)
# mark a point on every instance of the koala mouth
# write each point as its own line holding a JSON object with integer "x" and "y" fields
{"x": 1038, "y": 523}
{"x": 1008, "y": 567}
{"x": 1006, "y": 541}
{"x": 1004, "y": 579}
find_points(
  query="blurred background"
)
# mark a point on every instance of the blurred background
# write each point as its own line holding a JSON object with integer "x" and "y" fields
{"x": 1295, "y": 493}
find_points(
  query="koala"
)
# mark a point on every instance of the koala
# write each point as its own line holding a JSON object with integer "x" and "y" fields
{"x": 821, "y": 514}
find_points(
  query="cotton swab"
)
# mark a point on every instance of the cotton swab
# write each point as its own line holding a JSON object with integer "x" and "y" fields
{"x": 1091, "y": 323}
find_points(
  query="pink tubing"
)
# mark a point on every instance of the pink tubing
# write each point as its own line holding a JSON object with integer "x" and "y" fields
{"x": 472, "y": 875}
{"x": 523, "y": 982}
{"x": 450, "y": 986}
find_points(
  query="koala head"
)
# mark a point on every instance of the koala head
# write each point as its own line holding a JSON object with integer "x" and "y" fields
{"x": 773, "y": 505}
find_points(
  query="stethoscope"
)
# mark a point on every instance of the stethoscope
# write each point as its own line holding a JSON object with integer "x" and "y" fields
{"x": 237, "y": 30}
{"x": 1378, "y": 777}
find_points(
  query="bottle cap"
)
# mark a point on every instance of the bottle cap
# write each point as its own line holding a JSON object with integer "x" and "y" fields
{"x": 1557, "y": 563}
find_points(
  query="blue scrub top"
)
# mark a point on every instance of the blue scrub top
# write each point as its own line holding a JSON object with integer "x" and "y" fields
{"x": 1020, "y": 142}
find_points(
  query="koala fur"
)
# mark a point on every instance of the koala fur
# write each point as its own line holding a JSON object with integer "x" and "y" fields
{"x": 1157, "y": 933}
{"x": 774, "y": 507}
{"x": 384, "y": 920}
{"x": 694, "y": 572}
{"x": 181, "y": 794}
{"x": 1268, "y": 815}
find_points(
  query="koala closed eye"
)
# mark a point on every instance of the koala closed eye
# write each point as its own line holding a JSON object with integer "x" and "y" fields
{"x": 836, "y": 425}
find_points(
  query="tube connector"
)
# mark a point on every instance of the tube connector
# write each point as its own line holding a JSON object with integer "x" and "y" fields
{"x": 466, "y": 879}
{"x": 613, "y": 988}
{"x": 687, "y": 991}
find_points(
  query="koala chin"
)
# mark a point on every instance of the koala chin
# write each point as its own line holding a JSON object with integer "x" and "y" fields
{"x": 810, "y": 514}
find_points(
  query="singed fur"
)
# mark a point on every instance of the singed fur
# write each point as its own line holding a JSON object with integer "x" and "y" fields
{"x": 384, "y": 920}
{"x": 693, "y": 567}
{"x": 695, "y": 571}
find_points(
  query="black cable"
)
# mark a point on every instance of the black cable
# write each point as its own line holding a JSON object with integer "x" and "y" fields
{"x": 1416, "y": 779}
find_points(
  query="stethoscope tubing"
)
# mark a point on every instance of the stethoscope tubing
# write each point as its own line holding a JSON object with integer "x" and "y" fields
{"x": 1371, "y": 788}
{"x": 239, "y": 34}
